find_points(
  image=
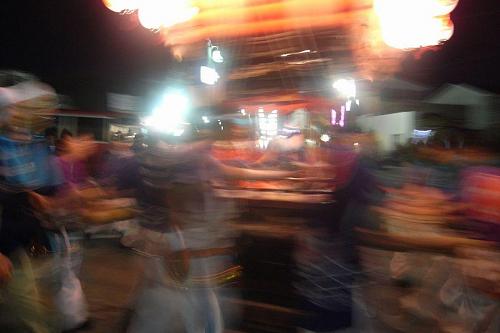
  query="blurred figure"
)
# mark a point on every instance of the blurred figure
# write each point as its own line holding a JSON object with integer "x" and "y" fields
{"x": 73, "y": 156}
{"x": 480, "y": 189}
{"x": 60, "y": 144}
{"x": 430, "y": 208}
{"x": 289, "y": 146}
{"x": 138, "y": 144}
{"x": 327, "y": 261}
{"x": 185, "y": 237}
{"x": 21, "y": 97}
{"x": 238, "y": 147}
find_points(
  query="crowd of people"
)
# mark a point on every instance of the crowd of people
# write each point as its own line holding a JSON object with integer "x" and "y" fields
{"x": 181, "y": 192}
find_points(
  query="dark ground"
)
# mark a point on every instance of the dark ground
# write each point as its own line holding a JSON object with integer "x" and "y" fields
{"x": 109, "y": 275}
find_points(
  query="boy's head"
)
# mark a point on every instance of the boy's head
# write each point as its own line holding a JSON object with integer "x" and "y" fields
{"x": 25, "y": 104}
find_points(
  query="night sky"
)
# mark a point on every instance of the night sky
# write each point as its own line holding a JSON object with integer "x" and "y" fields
{"x": 472, "y": 55}
{"x": 84, "y": 50}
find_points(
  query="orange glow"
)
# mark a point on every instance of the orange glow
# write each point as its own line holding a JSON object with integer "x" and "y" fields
{"x": 379, "y": 29}
{"x": 259, "y": 11}
{"x": 408, "y": 24}
{"x": 184, "y": 35}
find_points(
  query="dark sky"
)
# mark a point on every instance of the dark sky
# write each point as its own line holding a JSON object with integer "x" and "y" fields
{"x": 472, "y": 55}
{"x": 80, "y": 47}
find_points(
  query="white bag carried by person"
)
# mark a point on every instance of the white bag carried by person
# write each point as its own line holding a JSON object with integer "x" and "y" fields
{"x": 70, "y": 300}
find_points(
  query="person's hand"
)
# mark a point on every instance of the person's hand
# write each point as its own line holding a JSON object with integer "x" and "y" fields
{"x": 40, "y": 203}
{"x": 5, "y": 269}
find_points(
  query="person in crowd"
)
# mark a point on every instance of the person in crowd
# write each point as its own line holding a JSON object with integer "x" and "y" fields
{"x": 237, "y": 145}
{"x": 21, "y": 306}
{"x": 73, "y": 156}
{"x": 65, "y": 134}
{"x": 326, "y": 257}
{"x": 138, "y": 144}
{"x": 188, "y": 238}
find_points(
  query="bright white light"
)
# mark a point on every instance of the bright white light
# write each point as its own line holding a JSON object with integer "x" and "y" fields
{"x": 267, "y": 126}
{"x": 324, "y": 137}
{"x": 156, "y": 14}
{"x": 205, "y": 119}
{"x": 415, "y": 7}
{"x": 346, "y": 88}
{"x": 243, "y": 112}
{"x": 170, "y": 114}
{"x": 217, "y": 56}
{"x": 357, "y": 102}
{"x": 408, "y": 24}
{"x": 356, "y": 143}
{"x": 310, "y": 142}
{"x": 149, "y": 17}
{"x": 121, "y": 5}
{"x": 422, "y": 134}
{"x": 342, "y": 115}
{"x": 334, "y": 117}
{"x": 178, "y": 132}
{"x": 348, "y": 105}
{"x": 208, "y": 75}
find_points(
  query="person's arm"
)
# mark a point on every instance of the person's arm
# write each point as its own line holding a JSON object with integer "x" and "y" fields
{"x": 253, "y": 174}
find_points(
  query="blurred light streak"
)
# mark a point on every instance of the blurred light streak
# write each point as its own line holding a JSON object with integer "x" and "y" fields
{"x": 227, "y": 29}
{"x": 311, "y": 61}
{"x": 342, "y": 114}
{"x": 264, "y": 11}
{"x": 295, "y": 53}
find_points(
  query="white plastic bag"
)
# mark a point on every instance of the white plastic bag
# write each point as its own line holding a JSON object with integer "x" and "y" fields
{"x": 70, "y": 300}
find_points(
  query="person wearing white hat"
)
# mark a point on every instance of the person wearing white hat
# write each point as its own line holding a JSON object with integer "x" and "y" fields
{"x": 24, "y": 168}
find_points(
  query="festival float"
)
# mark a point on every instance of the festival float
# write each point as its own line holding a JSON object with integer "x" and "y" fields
{"x": 289, "y": 73}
